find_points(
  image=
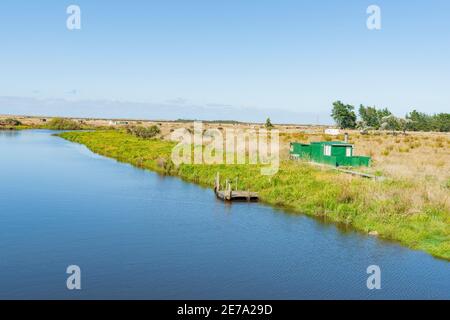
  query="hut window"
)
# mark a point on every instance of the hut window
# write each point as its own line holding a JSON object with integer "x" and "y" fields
{"x": 327, "y": 150}
{"x": 348, "y": 152}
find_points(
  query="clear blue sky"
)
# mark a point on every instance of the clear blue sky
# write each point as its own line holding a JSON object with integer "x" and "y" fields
{"x": 286, "y": 58}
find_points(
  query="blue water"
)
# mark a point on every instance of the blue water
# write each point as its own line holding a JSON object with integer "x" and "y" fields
{"x": 135, "y": 234}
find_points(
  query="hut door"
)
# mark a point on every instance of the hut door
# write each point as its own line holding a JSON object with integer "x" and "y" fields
{"x": 348, "y": 152}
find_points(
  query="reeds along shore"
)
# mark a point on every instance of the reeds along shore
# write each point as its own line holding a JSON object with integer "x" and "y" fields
{"x": 411, "y": 206}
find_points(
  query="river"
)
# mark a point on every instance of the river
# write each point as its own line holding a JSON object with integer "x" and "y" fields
{"x": 137, "y": 235}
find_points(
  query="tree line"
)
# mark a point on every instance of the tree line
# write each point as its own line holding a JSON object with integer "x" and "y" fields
{"x": 372, "y": 118}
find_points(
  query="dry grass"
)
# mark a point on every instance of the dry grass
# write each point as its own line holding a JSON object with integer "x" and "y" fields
{"x": 422, "y": 159}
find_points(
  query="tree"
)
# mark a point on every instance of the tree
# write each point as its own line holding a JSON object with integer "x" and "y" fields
{"x": 383, "y": 113}
{"x": 362, "y": 127}
{"x": 268, "y": 124}
{"x": 370, "y": 116}
{"x": 373, "y": 118}
{"x": 419, "y": 121}
{"x": 424, "y": 122}
{"x": 344, "y": 115}
{"x": 441, "y": 122}
{"x": 404, "y": 124}
{"x": 390, "y": 123}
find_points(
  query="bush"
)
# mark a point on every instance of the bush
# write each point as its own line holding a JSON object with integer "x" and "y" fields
{"x": 63, "y": 124}
{"x": 144, "y": 132}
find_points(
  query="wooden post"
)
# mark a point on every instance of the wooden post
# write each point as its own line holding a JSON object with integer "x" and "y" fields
{"x": 217, "y": 183}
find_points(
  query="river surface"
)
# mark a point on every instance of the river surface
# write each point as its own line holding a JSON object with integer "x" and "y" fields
{"x": 135, "y": 234}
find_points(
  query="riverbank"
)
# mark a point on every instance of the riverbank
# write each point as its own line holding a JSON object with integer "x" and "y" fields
{"x": 368, "y": 206}
{"x": 13, "y": 128}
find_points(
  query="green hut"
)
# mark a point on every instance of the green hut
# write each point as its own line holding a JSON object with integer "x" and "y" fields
{"x": 334, "y": 153}
{"x": 300, "y": 150}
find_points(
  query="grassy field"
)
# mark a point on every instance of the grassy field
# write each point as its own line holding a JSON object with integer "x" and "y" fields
{"x": 412, "y": 207}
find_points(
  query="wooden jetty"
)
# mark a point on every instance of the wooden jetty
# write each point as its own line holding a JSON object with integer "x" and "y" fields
{"x": 233, "y": 195}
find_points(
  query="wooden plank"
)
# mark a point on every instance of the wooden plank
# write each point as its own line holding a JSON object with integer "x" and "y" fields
{"x": 354, "y": 173}
{"x": 361, "y": 174}
{"x": 237, "y": 196}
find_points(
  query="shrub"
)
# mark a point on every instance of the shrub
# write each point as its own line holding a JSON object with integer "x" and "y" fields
{"x": 167, "y": 166}
{"x": 144, "y": 132}
{"x": 63, "y": 124}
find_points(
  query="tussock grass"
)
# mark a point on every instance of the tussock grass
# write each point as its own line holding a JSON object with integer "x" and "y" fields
{"x": 396, "y": 208}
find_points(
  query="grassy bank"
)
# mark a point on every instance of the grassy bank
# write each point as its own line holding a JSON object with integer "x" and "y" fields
{"x": 12, "y": 128}
{"x": 366, "y": 205}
